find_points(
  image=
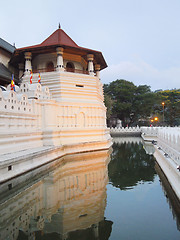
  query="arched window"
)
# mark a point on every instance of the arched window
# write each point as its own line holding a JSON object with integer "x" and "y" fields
{"x": 50, "y": 67}
{"x": 70, "y": 67}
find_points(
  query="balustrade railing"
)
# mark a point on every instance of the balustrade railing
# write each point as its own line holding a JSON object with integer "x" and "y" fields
{"x": 169, "y": 142}
{"x": 76, "y": 70}
{"x": 43, "y": 70}
{"x": 65, "y": 69}
{"x": 168, "y": 138}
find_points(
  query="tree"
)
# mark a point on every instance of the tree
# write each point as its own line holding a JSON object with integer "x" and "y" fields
{"x": 171, "y": 98}
{"x": 143, "y": 102}
{"x": 130, "y": 103}
{"x": 121, "y": 91}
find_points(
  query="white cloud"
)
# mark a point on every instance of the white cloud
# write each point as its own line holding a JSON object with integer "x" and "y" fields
{"x": 141, "y": 73}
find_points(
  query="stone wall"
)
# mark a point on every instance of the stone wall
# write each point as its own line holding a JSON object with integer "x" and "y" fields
{"x": 30, "y": 118}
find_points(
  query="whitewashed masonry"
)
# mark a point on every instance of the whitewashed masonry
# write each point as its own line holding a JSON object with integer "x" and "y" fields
{"x": 62, "y": 115}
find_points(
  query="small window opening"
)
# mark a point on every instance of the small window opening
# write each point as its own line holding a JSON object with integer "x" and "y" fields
{"x": 50, "y": 67}
{"x": 9, "y": 167}
{"x": 70, "y": 67}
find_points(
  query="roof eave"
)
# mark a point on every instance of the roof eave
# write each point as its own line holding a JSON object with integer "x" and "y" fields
{"x": 86, "y": 51}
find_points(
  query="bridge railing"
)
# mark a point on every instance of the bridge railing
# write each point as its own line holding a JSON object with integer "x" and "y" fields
{"x": 168, "y": 138}
{"x": 150, "y": 131}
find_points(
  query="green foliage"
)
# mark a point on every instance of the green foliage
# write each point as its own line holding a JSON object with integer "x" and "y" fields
{"x": 171, "y": 98}
{"x": 130, "y": 102}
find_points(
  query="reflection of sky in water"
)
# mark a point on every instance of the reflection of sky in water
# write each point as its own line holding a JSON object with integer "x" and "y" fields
{"x": 140, "y": 211}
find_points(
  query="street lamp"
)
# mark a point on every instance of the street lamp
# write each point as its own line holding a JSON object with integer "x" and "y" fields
{"x": 163, "y": 103}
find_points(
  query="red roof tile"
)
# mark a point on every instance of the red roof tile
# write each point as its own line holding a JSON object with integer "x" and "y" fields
{"x": 59, "y": 37}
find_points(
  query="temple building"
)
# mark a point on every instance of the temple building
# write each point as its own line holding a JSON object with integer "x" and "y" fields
{"x": 64, "y": 113}
{"x": 55, "y": 55}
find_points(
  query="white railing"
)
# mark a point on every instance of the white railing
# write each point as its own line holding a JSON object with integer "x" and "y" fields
{"x": 168, "y": 138}
{"x": 150, "y": 131}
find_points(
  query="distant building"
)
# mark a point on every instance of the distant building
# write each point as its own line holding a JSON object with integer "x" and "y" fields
{"x": 6, "y": 51}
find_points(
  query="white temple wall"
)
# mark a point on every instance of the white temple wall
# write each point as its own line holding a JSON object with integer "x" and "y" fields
{"x": 20, "y": 122}
{"x": 27, "y": 123}
{"x": 69, "y": 86}
{"x": 47, "y": 123}
{"x": 79, "y": 99}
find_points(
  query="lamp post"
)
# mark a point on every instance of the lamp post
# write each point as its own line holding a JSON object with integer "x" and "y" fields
{"x": 163, "y": 103}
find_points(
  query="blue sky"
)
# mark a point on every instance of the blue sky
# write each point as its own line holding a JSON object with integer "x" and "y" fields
{"x": 140, "y": 39}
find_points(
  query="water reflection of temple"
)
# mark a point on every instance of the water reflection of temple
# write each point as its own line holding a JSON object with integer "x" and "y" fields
{"x": 66, "y": 204}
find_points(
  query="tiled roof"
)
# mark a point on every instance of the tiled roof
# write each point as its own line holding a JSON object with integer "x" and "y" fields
{"x": 7, "y": 46}
{"x": 59, "y": 37}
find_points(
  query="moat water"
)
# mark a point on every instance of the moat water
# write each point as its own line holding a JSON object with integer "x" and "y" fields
{"x": 116, "y": 194}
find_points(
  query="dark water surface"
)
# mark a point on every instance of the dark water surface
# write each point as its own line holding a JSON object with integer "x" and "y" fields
{"x": 137, "y": 202}
{"x": 92, "y": 196}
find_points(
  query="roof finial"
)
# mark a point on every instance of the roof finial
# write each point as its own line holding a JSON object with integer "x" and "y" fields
{"x": 59, "y": 26}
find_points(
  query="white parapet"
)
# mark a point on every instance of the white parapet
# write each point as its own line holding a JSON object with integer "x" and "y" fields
{"x": 21, "y": 119}
{"x": 169, "y": 141}
{"x": 149, "y": 133}
{"x": 167, "y": 152}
